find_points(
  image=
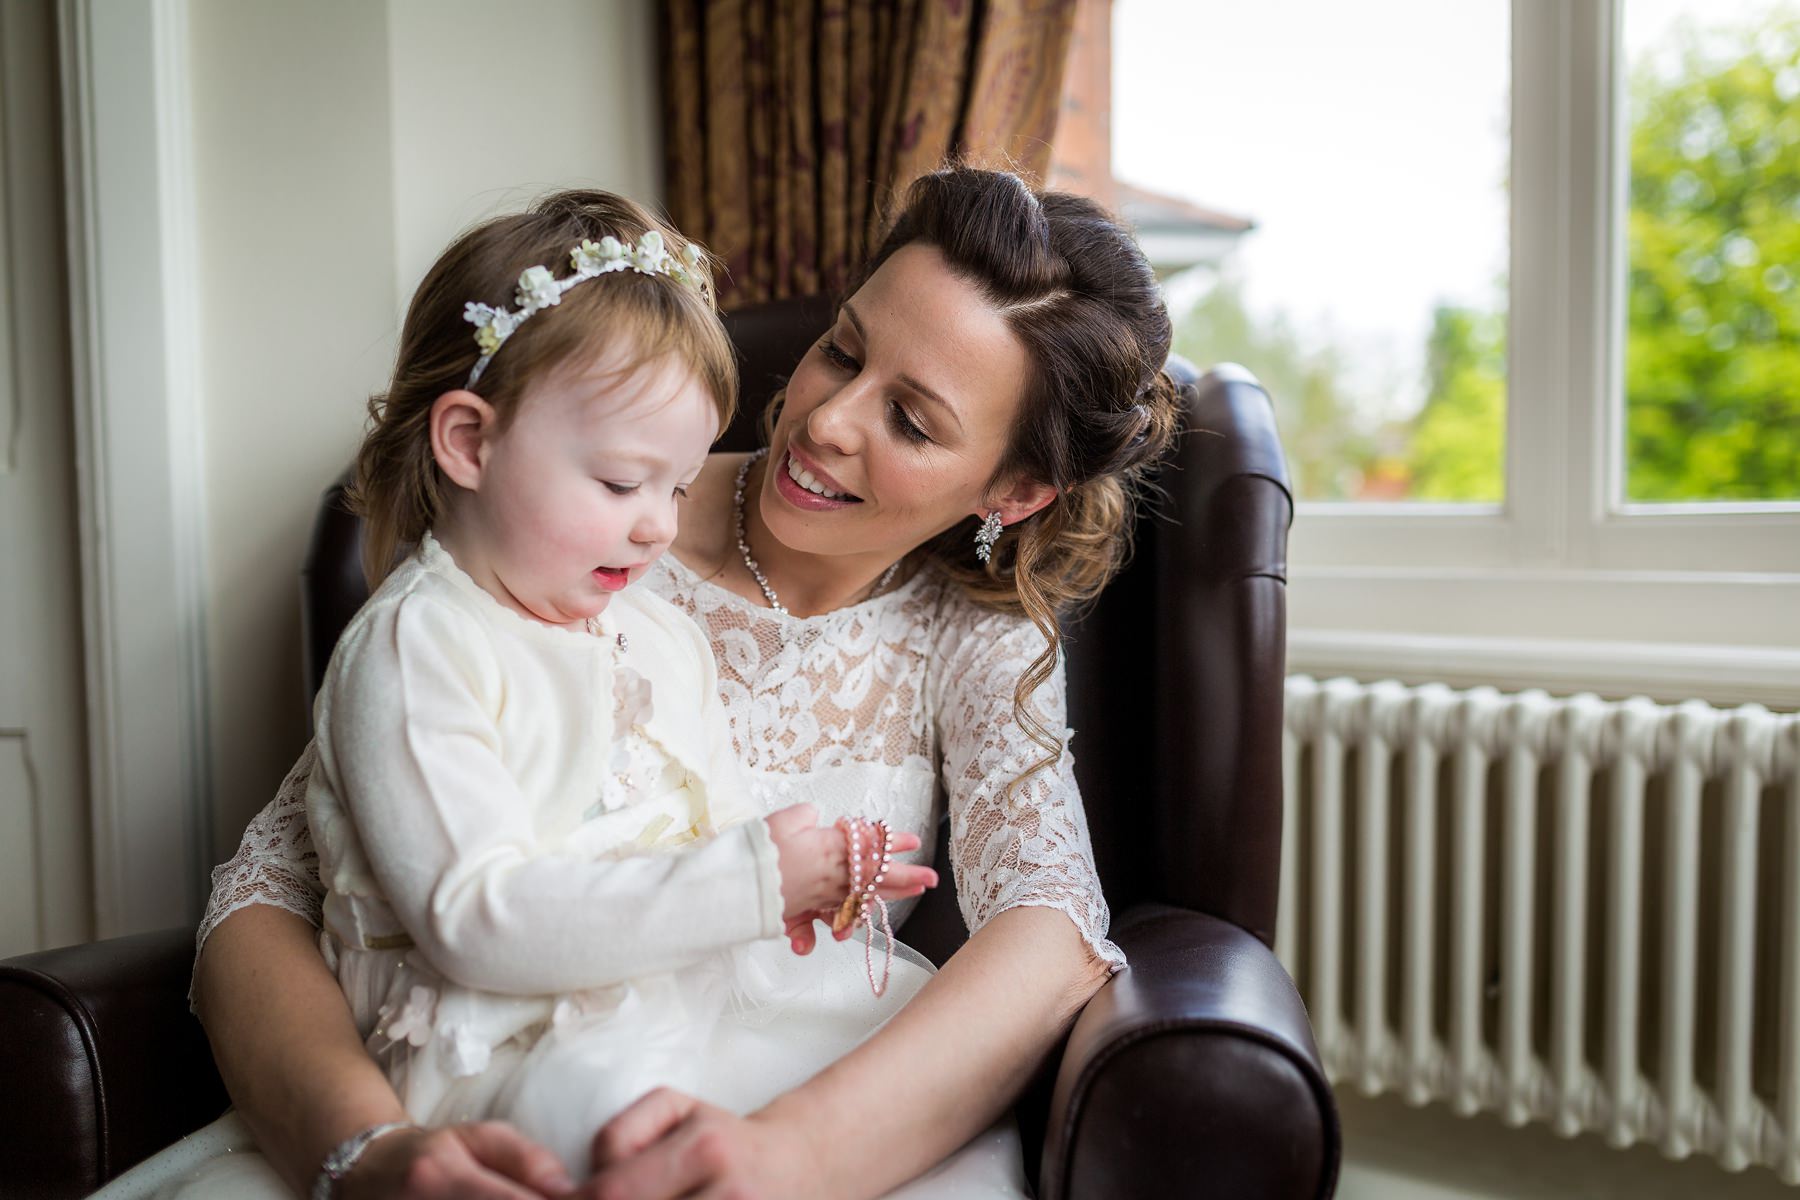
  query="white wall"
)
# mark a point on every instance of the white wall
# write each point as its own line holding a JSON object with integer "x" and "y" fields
{"x": 337, "y": 147}
{"x": 488, "y": 114}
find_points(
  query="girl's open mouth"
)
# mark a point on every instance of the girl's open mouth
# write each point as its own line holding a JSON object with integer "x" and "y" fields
{"x": 612, "y": 578}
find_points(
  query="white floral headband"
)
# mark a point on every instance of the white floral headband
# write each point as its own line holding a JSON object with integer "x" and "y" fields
{"x": 538, "y": 289}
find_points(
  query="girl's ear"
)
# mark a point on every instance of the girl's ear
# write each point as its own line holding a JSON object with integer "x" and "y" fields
{"x": 462, "y": 426}
{"x": 1021, "y": 500}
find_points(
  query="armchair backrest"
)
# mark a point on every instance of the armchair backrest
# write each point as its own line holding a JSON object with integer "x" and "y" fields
{"x": 1175, "y": 674}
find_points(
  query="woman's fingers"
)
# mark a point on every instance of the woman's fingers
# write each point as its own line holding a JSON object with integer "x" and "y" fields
{"x": 504, "y": 1150}
{"x": 714, "y": 1153}
{"x": 453, "y": 1163}
{"x": 687, "y": 1152}
{"x": 904, "y": 879}
{"x": 643, "y": 1121}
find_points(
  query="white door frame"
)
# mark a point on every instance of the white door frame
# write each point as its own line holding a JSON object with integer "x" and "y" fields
{"x": 134, "y": 324}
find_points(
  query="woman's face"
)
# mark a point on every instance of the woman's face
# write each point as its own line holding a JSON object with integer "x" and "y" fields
{"x": 896, "y": 420}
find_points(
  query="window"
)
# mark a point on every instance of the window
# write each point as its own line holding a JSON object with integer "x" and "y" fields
{"x": 1584, "y": 419}
{"x": 1712, "y": 324}
{"x": 1369, "y": 290}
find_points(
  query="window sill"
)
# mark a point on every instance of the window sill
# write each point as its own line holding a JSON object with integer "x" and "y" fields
{"x": 1722, "y": 675}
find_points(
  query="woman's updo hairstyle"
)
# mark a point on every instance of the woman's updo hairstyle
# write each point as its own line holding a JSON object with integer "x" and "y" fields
{"x": 398, "y": 490}
{"x": 1099, "y": 409}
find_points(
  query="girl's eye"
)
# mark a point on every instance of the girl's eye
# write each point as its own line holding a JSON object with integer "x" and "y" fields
{"x": 681, "y": 492}
{"x": 904, "y": 425}
{"x": 834, "y": 354}
{"x": 620, "y": 489}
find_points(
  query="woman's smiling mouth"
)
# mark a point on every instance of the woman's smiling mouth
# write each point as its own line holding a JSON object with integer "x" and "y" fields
{"x": 816, "y": 482}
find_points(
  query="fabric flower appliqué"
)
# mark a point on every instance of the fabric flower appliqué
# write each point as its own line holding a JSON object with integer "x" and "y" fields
{"x": 412, "y": 1024}
{"x": 465, "y": 1053}
{"x": 632, "y": 706}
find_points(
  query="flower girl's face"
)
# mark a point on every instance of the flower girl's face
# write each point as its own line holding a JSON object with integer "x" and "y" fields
{"x": 895, "y": 422}
{"x": 576, "y": 497}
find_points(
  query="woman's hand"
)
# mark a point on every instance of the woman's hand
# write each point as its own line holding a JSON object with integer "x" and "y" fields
{"x": 488, "y": 1160}
{"x": 815, "y": 869}
{"x": 668, "y": 1145}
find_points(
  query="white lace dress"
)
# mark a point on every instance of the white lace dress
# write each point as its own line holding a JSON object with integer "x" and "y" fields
{"x": 895, "y": 708}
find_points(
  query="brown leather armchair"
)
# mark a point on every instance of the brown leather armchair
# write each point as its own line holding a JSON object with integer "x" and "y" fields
{"x": 1192, "y": 1073}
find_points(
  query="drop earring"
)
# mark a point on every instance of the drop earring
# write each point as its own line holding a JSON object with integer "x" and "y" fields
{"x": 987, "y": 535}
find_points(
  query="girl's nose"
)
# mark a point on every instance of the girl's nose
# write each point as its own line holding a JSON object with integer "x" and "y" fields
{"x": 655, "y": 525}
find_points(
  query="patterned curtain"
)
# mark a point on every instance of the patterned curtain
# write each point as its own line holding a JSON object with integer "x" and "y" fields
{"x": 789, "y": 124}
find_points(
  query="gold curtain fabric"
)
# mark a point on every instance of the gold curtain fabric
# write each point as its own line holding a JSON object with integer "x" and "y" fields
{"x": 789, "y": 124}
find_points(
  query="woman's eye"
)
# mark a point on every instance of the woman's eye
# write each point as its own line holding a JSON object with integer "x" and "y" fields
{"x": 835, "y": 355}
{"x": 620, "y": 489}
{"x": 903, "y": 423}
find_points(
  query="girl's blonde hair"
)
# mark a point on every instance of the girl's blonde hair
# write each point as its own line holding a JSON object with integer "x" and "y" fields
{"x": 398, "y": 490}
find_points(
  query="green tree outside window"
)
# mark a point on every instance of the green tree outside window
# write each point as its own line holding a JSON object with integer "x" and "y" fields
{"x": 1712, "y": 361}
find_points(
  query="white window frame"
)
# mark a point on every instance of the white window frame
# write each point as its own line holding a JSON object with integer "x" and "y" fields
{"x": 1564, "y": 557}
{"x": 134, "y": 328}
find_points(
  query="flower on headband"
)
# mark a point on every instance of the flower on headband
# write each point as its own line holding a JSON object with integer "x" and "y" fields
{"x": 587, "y": 258}
{"x": 687, "y": 268}
{"x": 538, "y": 288}
{"x": 492, "y": 325}
{"x": 650, "y": 252}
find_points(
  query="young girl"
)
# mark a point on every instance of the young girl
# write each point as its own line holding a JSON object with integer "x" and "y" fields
{"x": 546, "y": 893}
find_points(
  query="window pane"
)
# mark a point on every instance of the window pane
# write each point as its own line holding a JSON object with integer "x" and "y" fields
{"x": 1324, "y": 185}
{"x": 1712, "y": 360}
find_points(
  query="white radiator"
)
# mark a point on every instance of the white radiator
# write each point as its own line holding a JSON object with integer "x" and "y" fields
{"x": 1562, "y": 910}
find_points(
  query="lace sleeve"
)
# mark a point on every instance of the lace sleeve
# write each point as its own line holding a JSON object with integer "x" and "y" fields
{"x": 1031, "y": 849}
{"x": 275, "y": 863}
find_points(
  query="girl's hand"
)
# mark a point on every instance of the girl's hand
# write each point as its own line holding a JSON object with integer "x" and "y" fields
{"x": 487, "y": 1160}
{"x": 815, "y": 871}
{"x": 668, "y": 1145}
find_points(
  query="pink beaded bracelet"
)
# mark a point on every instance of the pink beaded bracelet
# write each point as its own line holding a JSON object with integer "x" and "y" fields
{"x": 863, "y": 901}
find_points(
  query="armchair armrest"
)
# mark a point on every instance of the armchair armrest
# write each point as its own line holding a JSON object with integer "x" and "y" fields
{"x": 104, "y": 1063}
{"x": 1192, "y": 1072}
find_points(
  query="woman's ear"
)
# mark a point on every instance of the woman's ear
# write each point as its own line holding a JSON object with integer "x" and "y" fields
{"x": 462, "y": 426}
{"x": 1021, "y": 500}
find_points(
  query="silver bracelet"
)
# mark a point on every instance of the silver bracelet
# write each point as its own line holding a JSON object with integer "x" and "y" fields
{"x": 337, "y": 1164}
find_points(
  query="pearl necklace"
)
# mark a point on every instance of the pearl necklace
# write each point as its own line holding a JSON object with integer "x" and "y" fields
{"x": 762, "y": 581}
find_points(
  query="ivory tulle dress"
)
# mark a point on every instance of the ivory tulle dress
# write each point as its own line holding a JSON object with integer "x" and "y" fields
{"x": 893, "y": 708}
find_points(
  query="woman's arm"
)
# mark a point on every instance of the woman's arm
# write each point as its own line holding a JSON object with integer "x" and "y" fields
{"x": 296, "y": 1069}
{"x": 953, "y": 1059}
{"x": 943, "y": 1069}
{"x": 284, "y": 1041}
{"x": 282, "y": 1036}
